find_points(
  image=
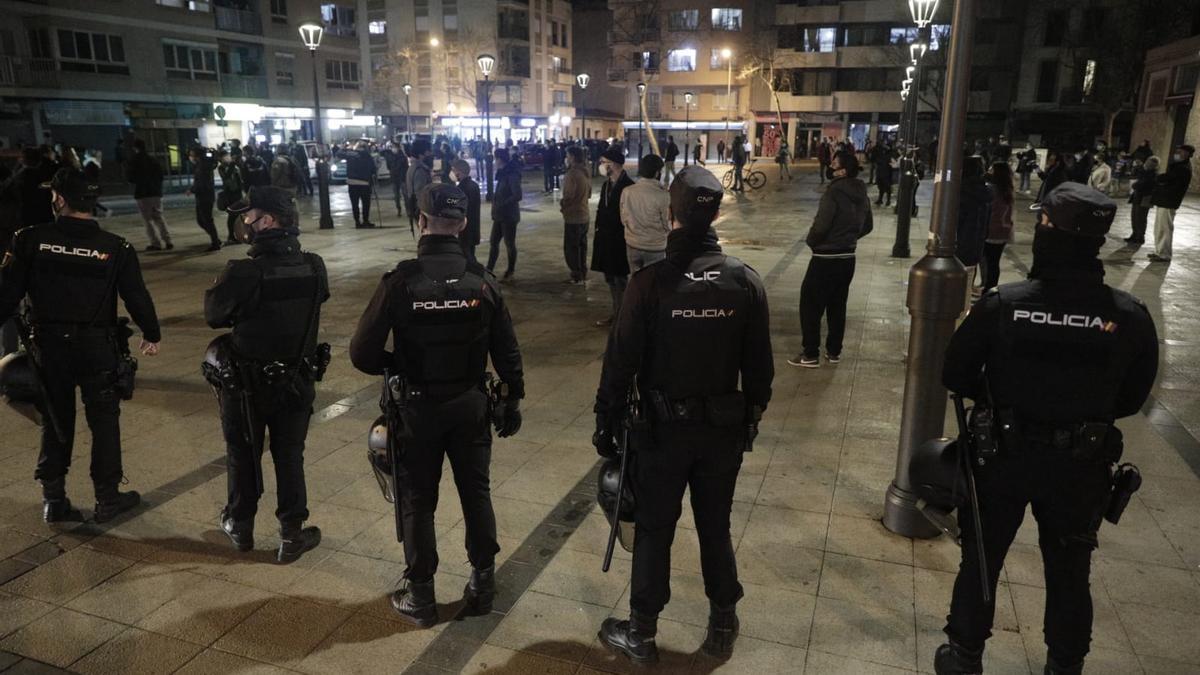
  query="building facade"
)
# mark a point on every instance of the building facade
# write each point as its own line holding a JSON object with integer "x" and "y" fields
{"x": 838, "y": 68}
{"x": 88, "y": 73}
{"x": 433, "y": 46}
{"x": 1167, "y": 114}
{"x": 677, "y": 47}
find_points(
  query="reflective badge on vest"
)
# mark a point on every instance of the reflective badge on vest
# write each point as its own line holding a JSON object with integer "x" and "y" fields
{"x": 718, "y": 313}
{"x": 1065, "y": 320}
{"x": 442, "y": 305}
{"x": 77, "y": 251}
{"x": 711, "y": 275}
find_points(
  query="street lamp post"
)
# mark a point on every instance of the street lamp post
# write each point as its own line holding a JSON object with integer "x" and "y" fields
{"x": 407, "y": 111}
{"x": 908, "y": 133}
{"x": 936, "y": 287}
{"x": 582, "y": 80}
{"x": 687, "y": 126}
{"x": 311, "y": 34}
{"x": 486, "y": 62}
{"x": 727, "y": 54}
{"x": 641, "y": 90}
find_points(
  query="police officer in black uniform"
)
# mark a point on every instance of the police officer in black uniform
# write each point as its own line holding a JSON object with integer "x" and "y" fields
{"x": 1057, "y": 359}
{"x": 73, "y": 272}
{"x": 689, "y": 326}
{"x": 445, "y": 316}
{"x": 272, "y": 300}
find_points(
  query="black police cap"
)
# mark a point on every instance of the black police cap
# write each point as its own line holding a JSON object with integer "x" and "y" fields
{"x": 267, "y": 198}
{"x": 442, "y": 200}
{"x": 695, "y": 196}
{"x": 1077, "y": 209}
{"x": 71, "y": 184}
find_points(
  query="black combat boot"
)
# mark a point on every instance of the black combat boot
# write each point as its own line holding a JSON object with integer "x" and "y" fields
{"x": 480, "y": 592}
{"x": 633, "y": 638}
{"x": 241, "y": 534}
{"x": 955, "y": 659}
{"x": 111, "y": 502}
{"x": 295, "y": 540}
{"x": 722, "y": 631}
{"x": 56, "y": 508}
{"x": 1055, "y": 668}
{"x": 414, "y": 601}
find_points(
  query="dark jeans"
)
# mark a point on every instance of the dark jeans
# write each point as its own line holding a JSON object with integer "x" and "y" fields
{"x": 360, "y": 202}
{"x": 398, "y": 194}
{"x": 1067, "y": 497}
{"x": 885, "y": 195}
{"x": 616, "y": 288}
{"x": 550, "y": 179}
{"x": 991, "y": 264}
{"x": 575, "y": 247}
{"x": 230, "y": 223}
{"x": 737, "y": 176}
{"x": 821, "y": 172}
{"x": 706, "y": 461}
{"x": 204, "y": 214}
{"x": 283, "y": 416}
{"x": 823, "y": 293}
{"x": 507, "y": 232}
{"x": 86, "y": 363}
{"x": 1137, "y": 218}
{"x": 305, "y": 186}
{"x": 457, "y": 429}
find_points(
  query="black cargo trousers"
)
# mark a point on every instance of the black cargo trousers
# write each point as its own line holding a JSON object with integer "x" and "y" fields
{"x": 86, "y": 359}
{"x": 280, "y": 413}
{"x": 457, "y": 428}
{"x": 1068, "y": 496}
{"x": 704, "y": 459}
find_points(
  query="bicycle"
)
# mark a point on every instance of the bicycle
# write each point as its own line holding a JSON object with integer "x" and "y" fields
{"x": 751, "y": 178}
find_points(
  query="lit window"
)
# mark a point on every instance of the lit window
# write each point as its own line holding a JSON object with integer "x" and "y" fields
{"x": 377, "y": 28}
{"x": 1089, "y": 77}
{"x": 724, "y": 18}
{"x": 684, "y": 19}
{"x": 681, "y": 60}
{"x": 285, "y": 65}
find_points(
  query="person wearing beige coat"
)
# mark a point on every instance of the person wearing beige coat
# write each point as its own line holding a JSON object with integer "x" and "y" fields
{"x": 576, "y": 193}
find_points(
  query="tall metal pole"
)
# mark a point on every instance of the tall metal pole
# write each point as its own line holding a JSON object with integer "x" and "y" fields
{"x": 487, "y": 130}
{"x": 407, "y": 118}
{"x": 728, "y": 101}
{"x": 325, "y": 221}
{"x": 687, "y": 130}
{"x": 908, "y": 159}
{"x": 936, "y": 289}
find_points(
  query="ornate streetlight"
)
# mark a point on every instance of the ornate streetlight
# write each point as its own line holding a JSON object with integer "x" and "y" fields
{"x": 486, "y": 62}
{"x": 687, "y": 127}
{"x": 582, "y": 80}
{"x": 311, "y": 34}
{"x": 407, "y": 110}
{"x": 641, "y": 90}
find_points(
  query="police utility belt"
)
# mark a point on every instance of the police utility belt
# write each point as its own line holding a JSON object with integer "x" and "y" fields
{"x": 123, "y": 376}
{"x": 719, "y": 410}
{"x": 1085, "y": 441}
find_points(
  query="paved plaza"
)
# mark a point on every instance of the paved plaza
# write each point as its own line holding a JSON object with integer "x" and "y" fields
{"x": 828, "y": 589}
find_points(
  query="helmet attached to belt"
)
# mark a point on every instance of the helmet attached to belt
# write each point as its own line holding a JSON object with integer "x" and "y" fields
{"x": 937, "y": 477}
{"x": 18, "y": 385}
{"x": 606, "y": 495}
{"x": 377, "y": 457}
{"x": 219, "y": 367}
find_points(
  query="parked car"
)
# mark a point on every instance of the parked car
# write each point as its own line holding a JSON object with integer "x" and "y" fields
{"x": 337, "y": 167}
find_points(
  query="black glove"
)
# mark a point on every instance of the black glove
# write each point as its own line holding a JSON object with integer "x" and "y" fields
{"x": 507, "y": 417}
{"x": 606, "y": 445}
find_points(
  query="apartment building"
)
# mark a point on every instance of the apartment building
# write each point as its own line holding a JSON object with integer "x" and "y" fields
{"x": 1167, "y": 114}
{"x": 677, "y": 47}
{"x": 839, "y": 67}
{"x": 88, "y": 73}
{"x": 433, "y": 45}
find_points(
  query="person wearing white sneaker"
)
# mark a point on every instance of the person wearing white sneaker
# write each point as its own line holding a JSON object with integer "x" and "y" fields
{"x": 843, "y": 217}
{"x": 1169, "y": 189}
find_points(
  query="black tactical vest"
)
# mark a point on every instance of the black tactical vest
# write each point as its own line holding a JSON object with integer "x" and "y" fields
{"x": 443, "y": 337}
{"x": 280, "y": 322}
{"x": 698, "y": 326}
{"x": 1061, "y": 359}
{"x": 74, "y": 277}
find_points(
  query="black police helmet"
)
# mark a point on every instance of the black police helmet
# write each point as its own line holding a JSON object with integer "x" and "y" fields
{"x": 18, "y": 385}
{"x": 606, "y": 495}
{"x": 936, "y": 474}
{"x": 377, "y": 458}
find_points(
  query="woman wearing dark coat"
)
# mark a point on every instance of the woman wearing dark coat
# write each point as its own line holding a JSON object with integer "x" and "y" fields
{"x": 1139, "y": 200}
{"x": 608, "y": 244}
{"x": 883, "y": 175}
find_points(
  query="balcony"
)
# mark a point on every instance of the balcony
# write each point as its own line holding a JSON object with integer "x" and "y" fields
{"x": 636, "y": 37}
{"x": 513, "y": 31}
{"x": 617, "y": 75}
{"x": 24, "y": 71}
{"x": 243, "y": 86}
{"x": 238, "y": 20}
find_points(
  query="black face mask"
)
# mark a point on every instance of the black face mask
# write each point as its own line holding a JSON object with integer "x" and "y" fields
{"x": 245, "y": 231}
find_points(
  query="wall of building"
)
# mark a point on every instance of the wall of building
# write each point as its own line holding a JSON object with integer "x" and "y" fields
{"x": 1159, "y": 106}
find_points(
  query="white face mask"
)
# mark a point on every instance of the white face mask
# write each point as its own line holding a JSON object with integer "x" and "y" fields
{"x": 1178, "y": 157}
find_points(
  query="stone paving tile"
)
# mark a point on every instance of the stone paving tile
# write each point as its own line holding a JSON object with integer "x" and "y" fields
{"x": 61, "y": 637}
{"x": 550, "y": 626}
{"x": 214, "y": 662}
{"x": 259, "y": 636}
{"x": 68, "y": 575}
{"x": 366, "y": 644}
{"x": 869, "y": 632}
{"x": 494, "y": 660}
{"x": 137, "y": 652}
{"x": 205, "y": 611}
{"x": 823, "y": 663}
{"x": 135, "y": 592}
{"x": 16, "y": 612}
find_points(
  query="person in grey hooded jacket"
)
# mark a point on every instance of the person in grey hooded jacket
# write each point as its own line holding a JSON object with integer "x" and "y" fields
{"x": 843, "y": 217}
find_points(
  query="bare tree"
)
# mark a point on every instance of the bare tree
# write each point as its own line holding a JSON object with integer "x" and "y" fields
{"x": 386, "y": 92}
{"x": 462, "y": 80}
